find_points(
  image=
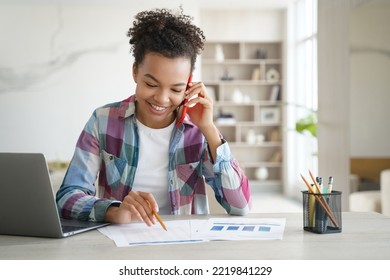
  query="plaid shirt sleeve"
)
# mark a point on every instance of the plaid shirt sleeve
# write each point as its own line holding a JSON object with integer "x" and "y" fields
{"x": 191, "y": 167}
{"x": 76, "y": 198}
{"x": 230, "y": 184}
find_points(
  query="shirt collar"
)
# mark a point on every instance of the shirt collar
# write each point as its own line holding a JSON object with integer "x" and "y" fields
{"x": 127, "y": 107}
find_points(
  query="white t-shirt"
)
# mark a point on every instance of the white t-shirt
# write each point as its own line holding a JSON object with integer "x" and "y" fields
{"x": 152, "y": 170}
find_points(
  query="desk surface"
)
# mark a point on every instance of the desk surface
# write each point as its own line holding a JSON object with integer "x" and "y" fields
{"x": 364, "y": 236}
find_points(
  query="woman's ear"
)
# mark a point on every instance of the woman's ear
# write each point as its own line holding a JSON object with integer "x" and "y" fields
{"x": 135, "y": 72}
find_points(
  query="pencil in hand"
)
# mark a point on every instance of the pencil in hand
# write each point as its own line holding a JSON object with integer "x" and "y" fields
{"x": 157, "y": 216}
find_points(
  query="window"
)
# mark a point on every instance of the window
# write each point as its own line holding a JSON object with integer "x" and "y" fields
{"x": 302, "y": 94}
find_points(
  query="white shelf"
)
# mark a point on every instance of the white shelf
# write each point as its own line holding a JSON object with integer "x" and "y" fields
{"x": 242, "y": 70}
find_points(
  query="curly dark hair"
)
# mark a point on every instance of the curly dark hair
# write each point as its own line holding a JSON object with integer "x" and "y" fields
{"x": 163, "y": 32}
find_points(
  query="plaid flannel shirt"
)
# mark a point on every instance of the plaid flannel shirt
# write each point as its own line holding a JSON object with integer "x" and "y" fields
{"x": 107, "y": 149}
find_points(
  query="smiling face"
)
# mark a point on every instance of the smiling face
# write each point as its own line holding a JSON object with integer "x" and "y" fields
{"x": 161, "y": 83}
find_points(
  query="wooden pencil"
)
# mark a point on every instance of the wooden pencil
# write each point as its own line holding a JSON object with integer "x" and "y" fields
{"x": 319, "y": 191}
{"x": 157, "y": 216}
{"x": 159, "y": 219}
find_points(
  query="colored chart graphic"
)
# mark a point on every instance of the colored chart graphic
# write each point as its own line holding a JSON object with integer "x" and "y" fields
{"x": 241, "y": 229}
{"x": 245, "y": 228}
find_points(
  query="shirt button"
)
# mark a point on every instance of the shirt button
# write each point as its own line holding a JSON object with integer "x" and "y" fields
{"x": 111, "y": 157}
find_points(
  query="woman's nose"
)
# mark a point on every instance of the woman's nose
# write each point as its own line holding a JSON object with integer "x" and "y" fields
{"x": 162, "y": 97}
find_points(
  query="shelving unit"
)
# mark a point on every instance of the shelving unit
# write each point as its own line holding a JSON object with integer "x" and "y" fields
{"x": 244, "y": 78}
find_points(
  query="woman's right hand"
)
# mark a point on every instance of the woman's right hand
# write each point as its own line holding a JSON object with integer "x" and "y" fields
{"x": 134, "y": 207}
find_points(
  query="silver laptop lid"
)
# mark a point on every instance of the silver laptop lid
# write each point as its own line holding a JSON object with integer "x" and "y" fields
{"x": 27, "y": 204}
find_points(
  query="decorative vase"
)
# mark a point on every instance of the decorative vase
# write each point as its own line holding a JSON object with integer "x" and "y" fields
{"x": 260, "y": 138}
{"x": 272, "y": 75}
{"x": 250, "y": 137}
{"x": 237, "y": 96}
{"x": 261, "y": 173}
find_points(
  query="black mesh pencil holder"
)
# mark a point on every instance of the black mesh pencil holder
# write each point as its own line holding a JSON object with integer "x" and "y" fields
{"x": 322, "y": 212}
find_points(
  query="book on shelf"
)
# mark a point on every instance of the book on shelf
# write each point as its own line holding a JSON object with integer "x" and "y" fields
{"x": 274, "y": 95}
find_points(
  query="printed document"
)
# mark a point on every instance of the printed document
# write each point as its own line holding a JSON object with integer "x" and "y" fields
{"x": 195, "y": 230}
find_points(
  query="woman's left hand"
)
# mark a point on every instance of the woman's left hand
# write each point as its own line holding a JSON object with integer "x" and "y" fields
{"x": 200, "y": 108}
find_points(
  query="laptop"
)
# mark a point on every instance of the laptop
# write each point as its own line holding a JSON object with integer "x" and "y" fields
{"x": 27, "y": 200}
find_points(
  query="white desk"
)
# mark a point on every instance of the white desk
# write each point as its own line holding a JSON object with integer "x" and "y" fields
{"x": 364, "y": 236}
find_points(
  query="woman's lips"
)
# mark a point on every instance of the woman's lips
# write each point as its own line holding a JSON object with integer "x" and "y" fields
{"x": 158, "y": 109}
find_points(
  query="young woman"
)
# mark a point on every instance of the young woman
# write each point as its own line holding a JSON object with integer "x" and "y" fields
{"x": 143, "y": 155}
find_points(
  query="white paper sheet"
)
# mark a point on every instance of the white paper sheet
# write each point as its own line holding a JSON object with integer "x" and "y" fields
{"x": 134, "y": 234}
{"x": 190, "y": 231}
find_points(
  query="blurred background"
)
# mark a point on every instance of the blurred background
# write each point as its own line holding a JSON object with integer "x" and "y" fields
{"x": 61, "y": 59}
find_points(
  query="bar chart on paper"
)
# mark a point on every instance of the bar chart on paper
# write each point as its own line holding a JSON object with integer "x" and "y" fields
{"x": 241, "y": 228}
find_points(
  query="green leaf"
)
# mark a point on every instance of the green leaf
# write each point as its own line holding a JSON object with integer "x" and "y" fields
{"x": 308, "y": 123}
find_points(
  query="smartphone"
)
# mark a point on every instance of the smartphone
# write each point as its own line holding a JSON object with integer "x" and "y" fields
{"x": 184, "y": 109}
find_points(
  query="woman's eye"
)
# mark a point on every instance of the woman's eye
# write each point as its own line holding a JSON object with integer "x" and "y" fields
{"x": 150, "y": 85}
{"x": 177, "y": 90}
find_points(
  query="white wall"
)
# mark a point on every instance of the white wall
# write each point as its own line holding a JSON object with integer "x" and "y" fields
{"x": 370, "y": 80}
{"x": 58, "y": 62}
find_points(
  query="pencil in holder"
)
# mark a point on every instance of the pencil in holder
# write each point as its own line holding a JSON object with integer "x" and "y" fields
{"x": 322, "y": 212}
